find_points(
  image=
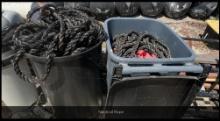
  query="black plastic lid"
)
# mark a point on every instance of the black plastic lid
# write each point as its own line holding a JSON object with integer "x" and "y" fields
{"x": 153, "y": 91}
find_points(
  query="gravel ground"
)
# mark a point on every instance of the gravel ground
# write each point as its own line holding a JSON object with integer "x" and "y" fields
{"x": 189, "y": 27}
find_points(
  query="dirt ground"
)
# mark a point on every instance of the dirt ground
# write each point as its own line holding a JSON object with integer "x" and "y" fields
{"x": 193, "y": 28}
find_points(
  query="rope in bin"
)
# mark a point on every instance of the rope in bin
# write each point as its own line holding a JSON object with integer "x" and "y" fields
{"x": 59, "y": 32}
{"x": 128, "y": 45}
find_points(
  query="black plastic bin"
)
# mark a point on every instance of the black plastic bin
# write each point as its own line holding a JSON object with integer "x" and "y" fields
{"x": 153, "y": 91}
{"x": 152, "y": 97}
{"x": 73, "y": 80}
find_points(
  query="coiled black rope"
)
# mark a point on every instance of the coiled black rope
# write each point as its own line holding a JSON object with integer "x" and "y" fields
{"x": 7, "y": 38}
{"x": 58, "y": 32}
{"x": 127, "y": 44}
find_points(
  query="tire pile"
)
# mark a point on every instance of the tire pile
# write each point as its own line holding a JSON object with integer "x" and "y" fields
{"x": 175, "y": 10}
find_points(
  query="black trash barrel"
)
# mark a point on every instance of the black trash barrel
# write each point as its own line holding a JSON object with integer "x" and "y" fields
{"x": 65, "y": 51}
{"x": 73, "y": 80}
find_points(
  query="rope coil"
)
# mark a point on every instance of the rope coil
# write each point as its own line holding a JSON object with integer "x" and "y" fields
{"x": 127, "y": 44}
{"x": 59, "y": 32}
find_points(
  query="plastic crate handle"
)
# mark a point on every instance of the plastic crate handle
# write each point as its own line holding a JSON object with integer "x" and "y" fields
{"x": 158, "y": 68}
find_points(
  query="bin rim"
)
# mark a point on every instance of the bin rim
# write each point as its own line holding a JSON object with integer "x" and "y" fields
{"x": 7, "y": 56}
{"x": 63, "y": 58}
{"x": 116, "y": 58}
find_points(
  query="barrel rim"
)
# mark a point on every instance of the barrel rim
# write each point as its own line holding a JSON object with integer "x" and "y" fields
{"x": 63, "y": 58}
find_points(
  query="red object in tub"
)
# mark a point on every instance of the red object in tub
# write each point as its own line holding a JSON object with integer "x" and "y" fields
{"x": 143, "y": 54}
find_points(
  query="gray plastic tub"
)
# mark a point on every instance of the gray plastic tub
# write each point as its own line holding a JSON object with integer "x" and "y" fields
{"x": 182, "y": 57}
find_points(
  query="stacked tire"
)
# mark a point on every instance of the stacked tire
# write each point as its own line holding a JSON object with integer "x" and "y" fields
{"x": 174, "y": 10}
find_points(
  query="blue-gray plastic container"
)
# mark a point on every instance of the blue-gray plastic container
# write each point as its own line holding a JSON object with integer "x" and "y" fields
{"x": 182, "y": 57}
